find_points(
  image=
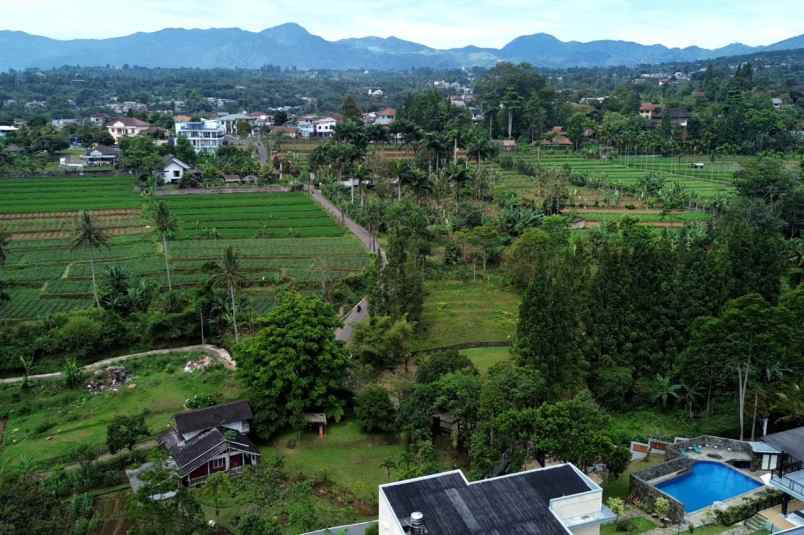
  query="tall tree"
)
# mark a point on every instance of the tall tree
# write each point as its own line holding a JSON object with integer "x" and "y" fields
{"x": 294, "y": 364}
{"x": 350, "y": 110}
{"x": 91, "y": 237}
{"x": 228, "y": 274}
{"x": 550, "y": 333}
{"x": 165, "y": 225}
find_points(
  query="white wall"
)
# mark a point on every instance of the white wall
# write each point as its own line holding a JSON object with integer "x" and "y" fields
{"x": 389, "y": 524}
{"x": 588, "y": 503}
{"x": 170, "y": 169}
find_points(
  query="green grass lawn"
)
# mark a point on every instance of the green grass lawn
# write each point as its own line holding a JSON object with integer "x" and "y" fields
{"x": 637, "y": 525}
{"x": 348, "y": 457}
{"x": 48, "y": 422}
{"x": 619, "y": 488}
{"x": 458, "y": 312}
{"x": 485, "y": 357}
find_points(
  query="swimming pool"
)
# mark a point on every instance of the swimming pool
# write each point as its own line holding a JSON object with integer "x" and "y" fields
{"x": 706, "y": 483}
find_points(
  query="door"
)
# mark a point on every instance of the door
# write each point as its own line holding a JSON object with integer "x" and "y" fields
{"x": 769, "y": 462}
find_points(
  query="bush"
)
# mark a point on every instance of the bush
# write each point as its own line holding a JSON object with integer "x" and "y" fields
{"x": 73, "y": 376}
{"x": 439, "y": 364}
{"x": 374, "y": 410}
{"x": 749, "y": 507}
{"x": 373, "y": 530}
{"x": 200, "y": 401}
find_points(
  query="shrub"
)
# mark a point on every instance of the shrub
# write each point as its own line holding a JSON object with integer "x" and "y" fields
{"x": 439, "y": 364}
{"x": 373, "y": 530}
{"x": 200, "y": 401}
{"x": 73, "y": 376}
{"x": 748, "y": 507}
{"x": 374, "y": 410}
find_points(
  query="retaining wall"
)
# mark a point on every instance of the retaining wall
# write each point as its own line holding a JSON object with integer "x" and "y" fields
{"x": 644, "y": 493}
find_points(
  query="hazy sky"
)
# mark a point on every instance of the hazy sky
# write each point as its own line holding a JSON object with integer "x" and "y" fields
{"x": 440, "y": 23}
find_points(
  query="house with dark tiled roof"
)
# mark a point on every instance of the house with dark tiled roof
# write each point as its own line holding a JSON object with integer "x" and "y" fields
{"x": 557, "y": 500}
{"x": 210, "y": 440}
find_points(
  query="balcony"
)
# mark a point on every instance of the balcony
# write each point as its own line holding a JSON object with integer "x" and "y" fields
{"x": 792, "y": 483}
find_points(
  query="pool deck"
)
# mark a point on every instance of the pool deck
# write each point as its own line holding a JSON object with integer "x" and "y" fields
{"x": 719, "y": 455}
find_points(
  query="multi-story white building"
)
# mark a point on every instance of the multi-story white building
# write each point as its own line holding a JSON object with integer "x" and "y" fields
{"x": 325, "y": 127}
{"x": 205, "y": 136}
{"x": 558, "y": 500}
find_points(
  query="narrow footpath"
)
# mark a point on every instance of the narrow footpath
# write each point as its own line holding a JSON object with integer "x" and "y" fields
{"x": 217, "y": 353}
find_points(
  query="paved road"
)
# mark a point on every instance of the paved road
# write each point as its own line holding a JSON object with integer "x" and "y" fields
{"x": 218, "y": 353}
{"x": 358, "y": 314}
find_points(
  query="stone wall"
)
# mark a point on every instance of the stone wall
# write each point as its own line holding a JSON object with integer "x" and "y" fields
{"x": 644, "y": 494}
{"x": 709, "y": 441}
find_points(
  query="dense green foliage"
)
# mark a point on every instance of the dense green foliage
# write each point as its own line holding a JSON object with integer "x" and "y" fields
{"x": 293, "y": 364}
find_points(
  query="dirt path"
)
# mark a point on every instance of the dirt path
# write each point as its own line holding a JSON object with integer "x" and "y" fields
{"x": 218, "y": 353}
{"x": 359, "y": 232}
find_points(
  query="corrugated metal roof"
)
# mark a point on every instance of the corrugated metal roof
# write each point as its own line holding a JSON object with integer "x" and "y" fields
{"x": 509, "y": 505}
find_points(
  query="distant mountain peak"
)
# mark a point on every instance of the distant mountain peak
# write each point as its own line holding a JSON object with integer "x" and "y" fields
{"x": 291, "y": 45}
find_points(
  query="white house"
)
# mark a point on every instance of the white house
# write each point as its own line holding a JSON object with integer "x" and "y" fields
{"x": 126, "y": 127}
{"x": 205, "y": 136}
{"x": 173, "y": 169}
{"x": 558, "y": 500}
{"x": 325, "y": 127}
{"x": 231, "y": 122}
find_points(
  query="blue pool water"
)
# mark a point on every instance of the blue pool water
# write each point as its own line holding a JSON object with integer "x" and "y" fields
{"x": 707, "y": 483}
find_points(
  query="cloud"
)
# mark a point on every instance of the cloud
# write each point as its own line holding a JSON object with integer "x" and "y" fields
{"x": 443, "y": 24}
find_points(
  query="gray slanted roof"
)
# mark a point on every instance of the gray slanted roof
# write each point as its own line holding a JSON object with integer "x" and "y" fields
{"x": 790, "y": 442}
{"x": 762, "y": 447}
{"x": 208, "y": 445}
{"x": 106, "y": 150}
{"x": 215, "y": 416}
{"x": 509, "y": 505}
{"x": 167, "y": 160}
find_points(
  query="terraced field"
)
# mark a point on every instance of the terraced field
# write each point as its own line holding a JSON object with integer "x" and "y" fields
{"x": 281, "y": 237}
{"x": 706, "y": 183}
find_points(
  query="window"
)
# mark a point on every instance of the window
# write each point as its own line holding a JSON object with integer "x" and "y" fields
{"x": 176, "y": 173}
{"x": 218, "y": 463}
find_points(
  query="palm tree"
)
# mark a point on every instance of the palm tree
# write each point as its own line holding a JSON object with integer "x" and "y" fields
{"x": 90, "y": 236}
{"x": 228, "y": 274}
{"x": 662, "y": 389}
{"x": 165, "y": 225}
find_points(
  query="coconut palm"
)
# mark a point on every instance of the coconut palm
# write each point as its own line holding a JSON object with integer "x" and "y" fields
{"x": 228, "y": 274}
{"x": 165, "y": 225}
{"x": 90, "y": 236}
{"x": 790, "y": 403}
{"x": 662, "y": 389}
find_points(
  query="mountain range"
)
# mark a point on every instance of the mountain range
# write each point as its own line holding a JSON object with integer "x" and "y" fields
{"x": 290, "y": 45}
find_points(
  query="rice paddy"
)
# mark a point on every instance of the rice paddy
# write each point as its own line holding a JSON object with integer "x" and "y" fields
{"x": 282, "y": 238}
